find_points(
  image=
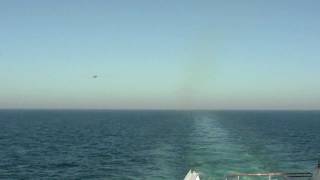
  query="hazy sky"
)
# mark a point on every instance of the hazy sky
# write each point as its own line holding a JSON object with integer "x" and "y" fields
{"x": 248, "y": 54}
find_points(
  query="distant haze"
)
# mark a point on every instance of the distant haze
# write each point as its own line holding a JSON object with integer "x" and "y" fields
{"x": 160, "y": 54}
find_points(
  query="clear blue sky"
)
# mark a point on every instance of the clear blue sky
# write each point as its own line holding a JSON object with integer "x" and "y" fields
{"x": 249, "y": 54}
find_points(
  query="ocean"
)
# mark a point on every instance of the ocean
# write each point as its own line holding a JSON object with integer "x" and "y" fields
{"x": 154, "y": 145}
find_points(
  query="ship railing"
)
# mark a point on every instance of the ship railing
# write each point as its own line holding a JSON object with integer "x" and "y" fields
{"x": 270, "y": 176}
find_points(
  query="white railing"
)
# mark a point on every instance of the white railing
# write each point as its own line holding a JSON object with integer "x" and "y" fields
{"x": 270, "y": 175}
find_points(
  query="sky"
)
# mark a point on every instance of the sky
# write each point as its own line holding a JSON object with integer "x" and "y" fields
{"x": 160, "y": 54}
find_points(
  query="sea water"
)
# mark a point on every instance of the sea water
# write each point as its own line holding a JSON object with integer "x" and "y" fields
{"x": 105, "y": 144}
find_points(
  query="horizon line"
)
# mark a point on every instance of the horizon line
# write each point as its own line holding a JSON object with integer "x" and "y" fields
{"x": 162, "y": 109}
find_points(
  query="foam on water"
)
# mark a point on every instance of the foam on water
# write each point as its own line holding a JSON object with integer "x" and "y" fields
{"x": 215, "y": 153}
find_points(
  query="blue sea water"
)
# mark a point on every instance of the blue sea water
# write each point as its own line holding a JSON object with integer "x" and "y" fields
{"x": 100, "y": 144}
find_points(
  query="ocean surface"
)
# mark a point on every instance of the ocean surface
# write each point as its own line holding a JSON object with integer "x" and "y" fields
{"x": 97, "y": 144}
